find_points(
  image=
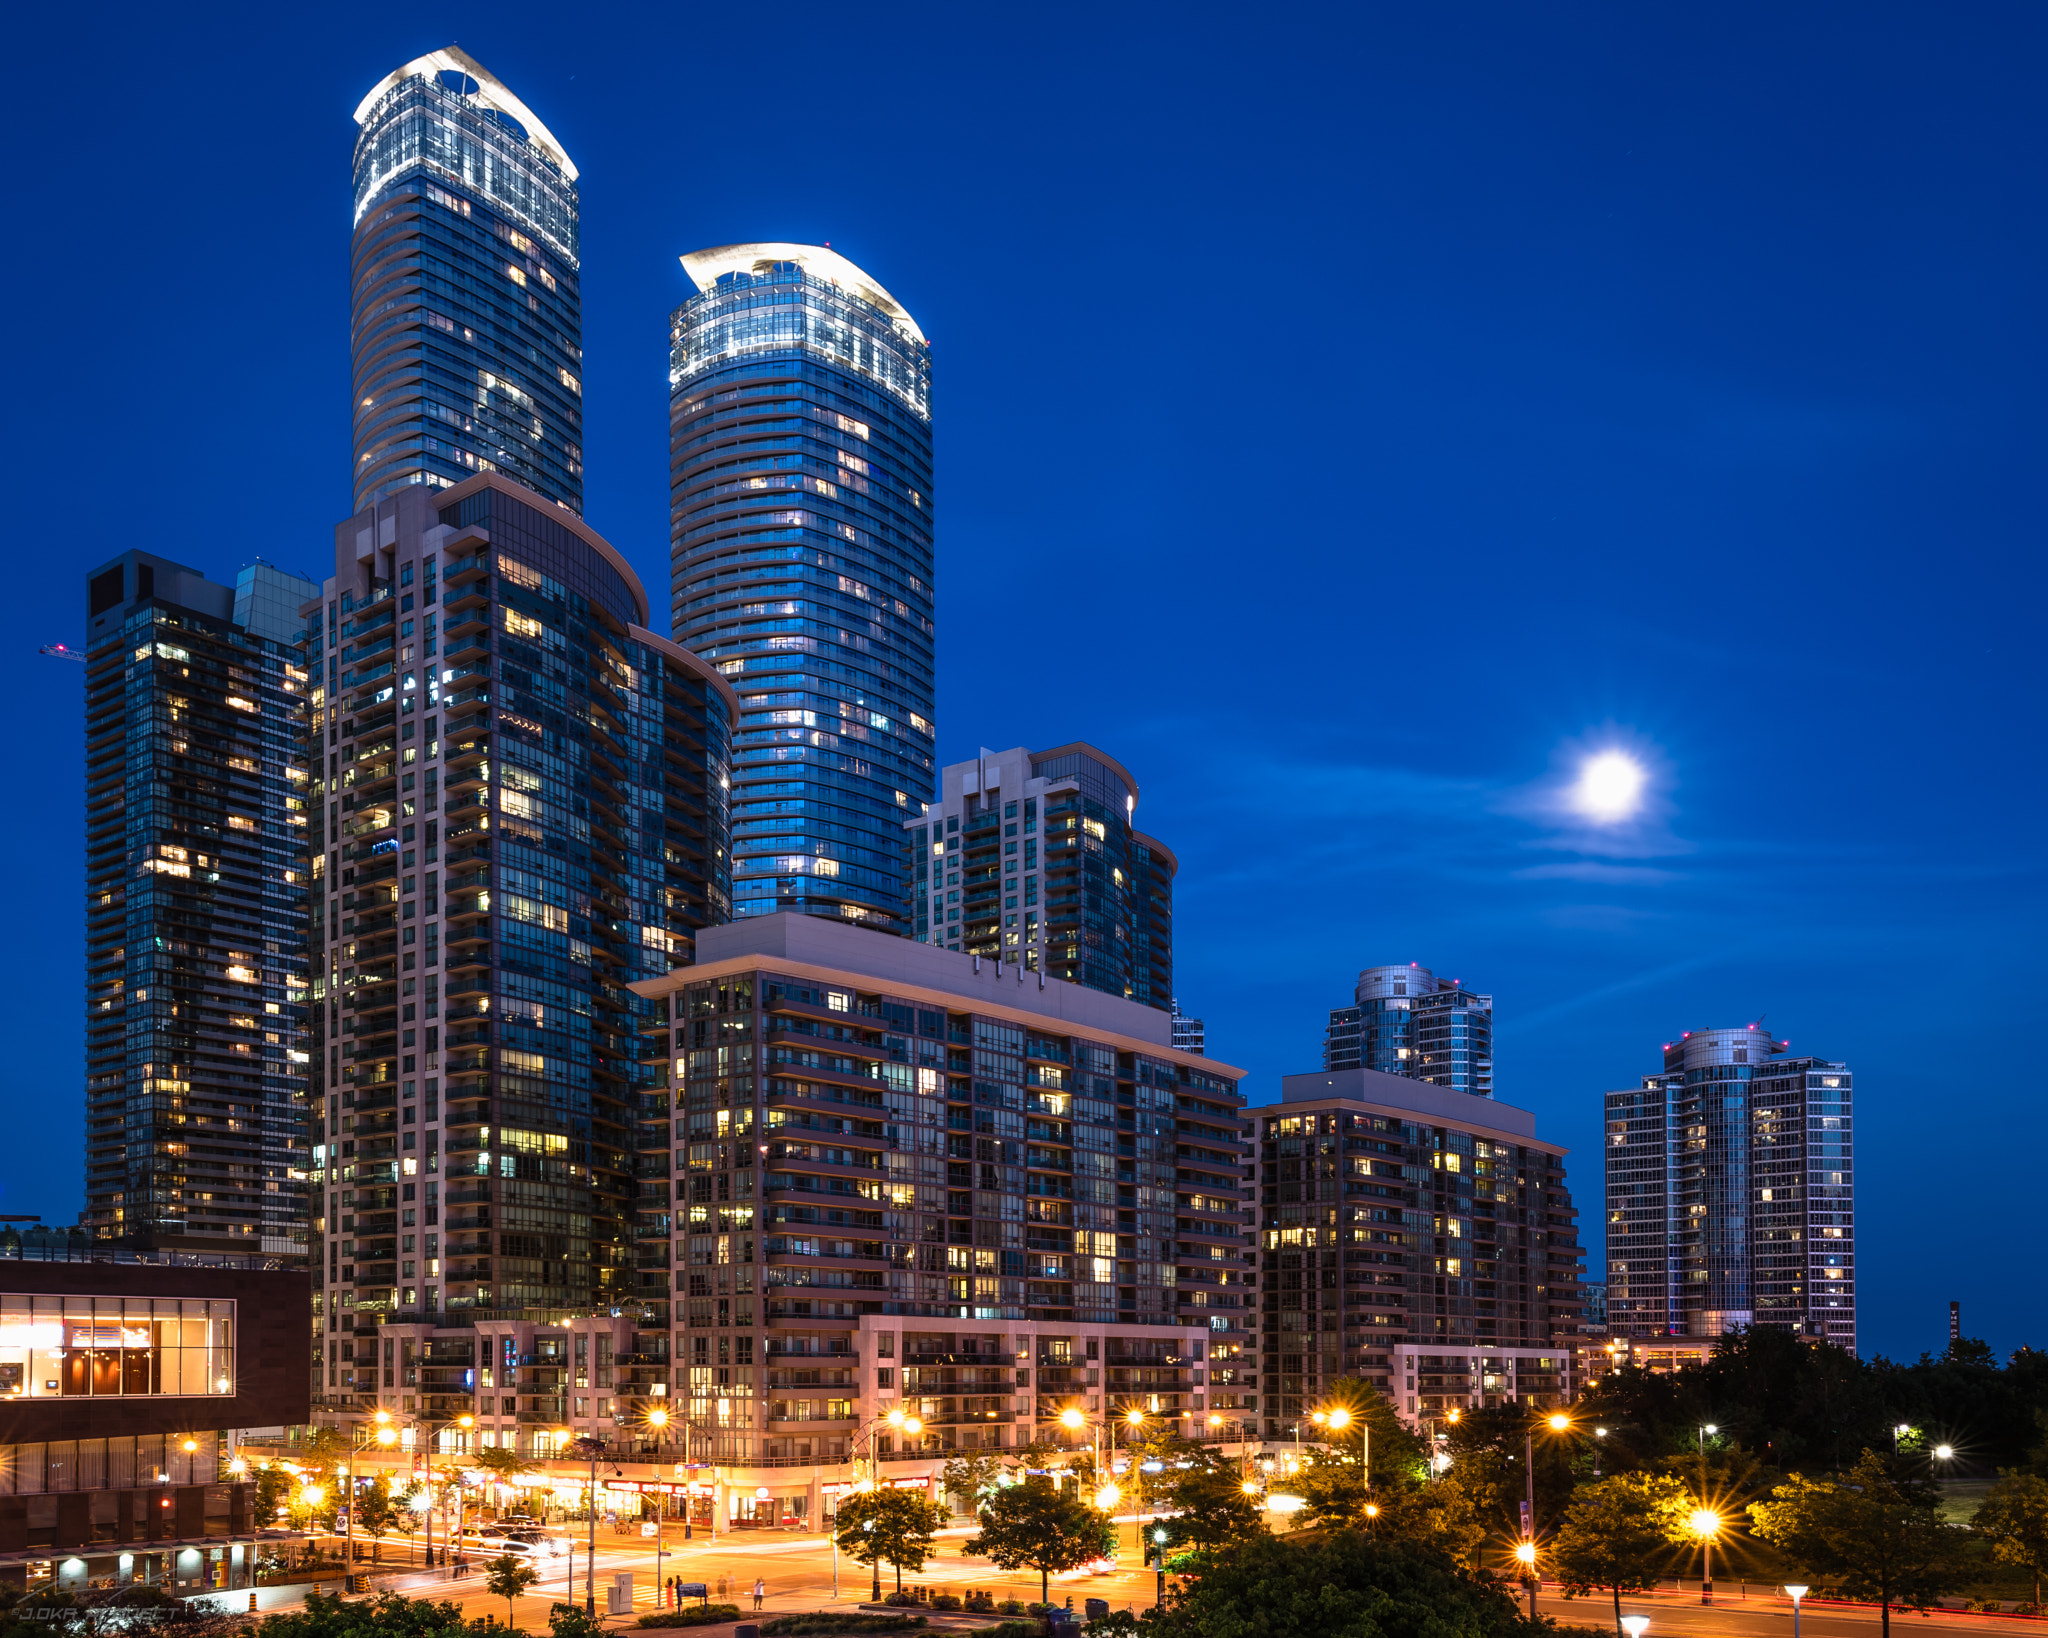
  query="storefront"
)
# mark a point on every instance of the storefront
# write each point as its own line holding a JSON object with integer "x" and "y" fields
{"x": 766, "y": 1508}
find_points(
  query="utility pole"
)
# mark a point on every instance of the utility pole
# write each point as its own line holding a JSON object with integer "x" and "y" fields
{"x": 1529, "y": 1510}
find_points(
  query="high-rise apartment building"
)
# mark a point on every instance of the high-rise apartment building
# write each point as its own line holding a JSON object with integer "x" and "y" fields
{"x": 1188, "y": 1033}
{"x": 1396, "y": 1212}
{"x": 195, "y": 968}
{"x": 519, "y": 810}
{"x": 801, "y": 540}
{"x": 867, "y": 1127}
{"x": 1407, "y": 1021}
{"x": 1731, "y": 1192}
{"x": 465, "y": 308}
{"x": 1031, "y": 857}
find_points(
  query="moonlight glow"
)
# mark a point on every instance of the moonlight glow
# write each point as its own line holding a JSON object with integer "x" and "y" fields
{"x": 1610, "y": 788}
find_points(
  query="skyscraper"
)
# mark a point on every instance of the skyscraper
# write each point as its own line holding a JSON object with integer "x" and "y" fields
{"x": 1032, "y": 857}
{"x": 1407, "y": 1021}
{"x": 195, "y": 814}
{"x": 800, "y": 509}
{"x": 465, "y": 311}
{"x": 982, "y": 1166}
{"x": 1396, "y": 1214}
{"x": 1731, "y": 1192}
{"x": 522, "y": 812}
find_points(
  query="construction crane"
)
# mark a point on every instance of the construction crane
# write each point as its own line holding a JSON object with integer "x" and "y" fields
{"x": 62, "y": 651}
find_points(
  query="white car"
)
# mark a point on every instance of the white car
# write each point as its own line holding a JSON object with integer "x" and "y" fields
{"x": 519, "y": 1543}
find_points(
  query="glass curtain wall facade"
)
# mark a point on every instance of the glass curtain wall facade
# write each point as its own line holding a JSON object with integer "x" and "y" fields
{"x": 524, "y": 811}
{"x": 465, "y": 307}
{"x": 1731, "y": 1192}
{"x": 1407, "y": 1021}
{"x": 867, "y": 1127}
{"x": 1383, "y": 1224}
{"x": 801, "y": 538}
{"x": 1031, "y": 857}
{"x": 196, "y": 1048}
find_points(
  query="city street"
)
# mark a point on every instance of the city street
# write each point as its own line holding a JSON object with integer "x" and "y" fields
{"x": 798, "y": 1572}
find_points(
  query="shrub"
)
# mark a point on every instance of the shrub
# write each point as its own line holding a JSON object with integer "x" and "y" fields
{"x": 2028, "y": 1608}
{"x": 1984, "y": 1606}
{"x": 981, "y": 1603}
{"x": 837, "y": 1621}
{"x": 946, "y": 1601}
{"x": 903, "y": 1598}
{"x": 1011, "y": 1606}
{"x": 697, "y": 1615}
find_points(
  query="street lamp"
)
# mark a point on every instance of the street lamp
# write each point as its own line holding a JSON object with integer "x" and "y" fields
{"x": 591, "y": 1448}
{"x": 1944, "y": 1453}
{"x": 1705, "y": 1429}
{"x": 657, "y": 1418}
{"x": 1637, "y": 1625}
{"x": 899, "y": 1418}
{"x": 1795, "y": 1594}
{"x": 1706, "y": 1524}
{"x": 1337, "y": 1420}
{"x": 1525, "y": 1555}
{"x": 422, "y": 1507}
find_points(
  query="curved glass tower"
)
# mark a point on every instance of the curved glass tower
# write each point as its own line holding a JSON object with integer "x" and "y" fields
{"x": 519, "y": 809}
{"x": 800, "y": 530}
{"x": 465, "y": 315}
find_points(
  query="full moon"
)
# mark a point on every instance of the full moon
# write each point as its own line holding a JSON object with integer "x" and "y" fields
{"x": 1610, "y": 787}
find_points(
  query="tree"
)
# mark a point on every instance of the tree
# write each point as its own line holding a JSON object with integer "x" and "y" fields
{"x": 502, "y": 1463}
{"x": 1039, "y": 1526}
{"x": 970, "y": 1476}
{"x": 892, "y": 1526}
{"x": 1440, "y": 1514}
{"x": 573, "y": 1621}
{"x": 273, "y": 1490}
{"x": 1615, "y": 1533}
{"x": 2015, "y": 1519}
{"x": 1336, "y": 1584}
{"x": 508, "y": 1576}
{"x": 1208, "y": 1504}
{"x": 1332, "y": 1488}
{"x": 1874, "y": 1534}
{"x": 376, "y": 1512}
{"x": 390, "y": 1615}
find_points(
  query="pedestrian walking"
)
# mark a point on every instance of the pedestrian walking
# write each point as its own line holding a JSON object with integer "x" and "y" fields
{"x": 760, "y": 1591}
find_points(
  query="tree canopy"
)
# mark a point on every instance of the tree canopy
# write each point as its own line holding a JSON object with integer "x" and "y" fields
{"x": 1874, "y": 1534}
{"x": 893, "y": 1526}
{"x": 1040, "y": 1526}
{"x": 1616, "y": 1535}
{"x": 1337, "y": 1584}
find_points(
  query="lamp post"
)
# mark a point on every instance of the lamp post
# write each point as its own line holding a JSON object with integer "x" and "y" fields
{"x": 1525, "y": 1555}
{"x": 1706, "y": 1524}
{"x": 896, "y": 1417}
{"x": 657, "y": 1419}
{"x": 1108, "y": 1492}
{"x": 591, "y": 1448}
{"x": 1134, "y": 1419}
{"x": 1795, "y": 1594}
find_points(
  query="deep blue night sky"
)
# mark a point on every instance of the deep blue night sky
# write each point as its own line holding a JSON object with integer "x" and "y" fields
{"x": 1346, "y": 417}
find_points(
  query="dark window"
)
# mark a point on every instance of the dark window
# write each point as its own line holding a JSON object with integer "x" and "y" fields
{"x": 104, "y": 591}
